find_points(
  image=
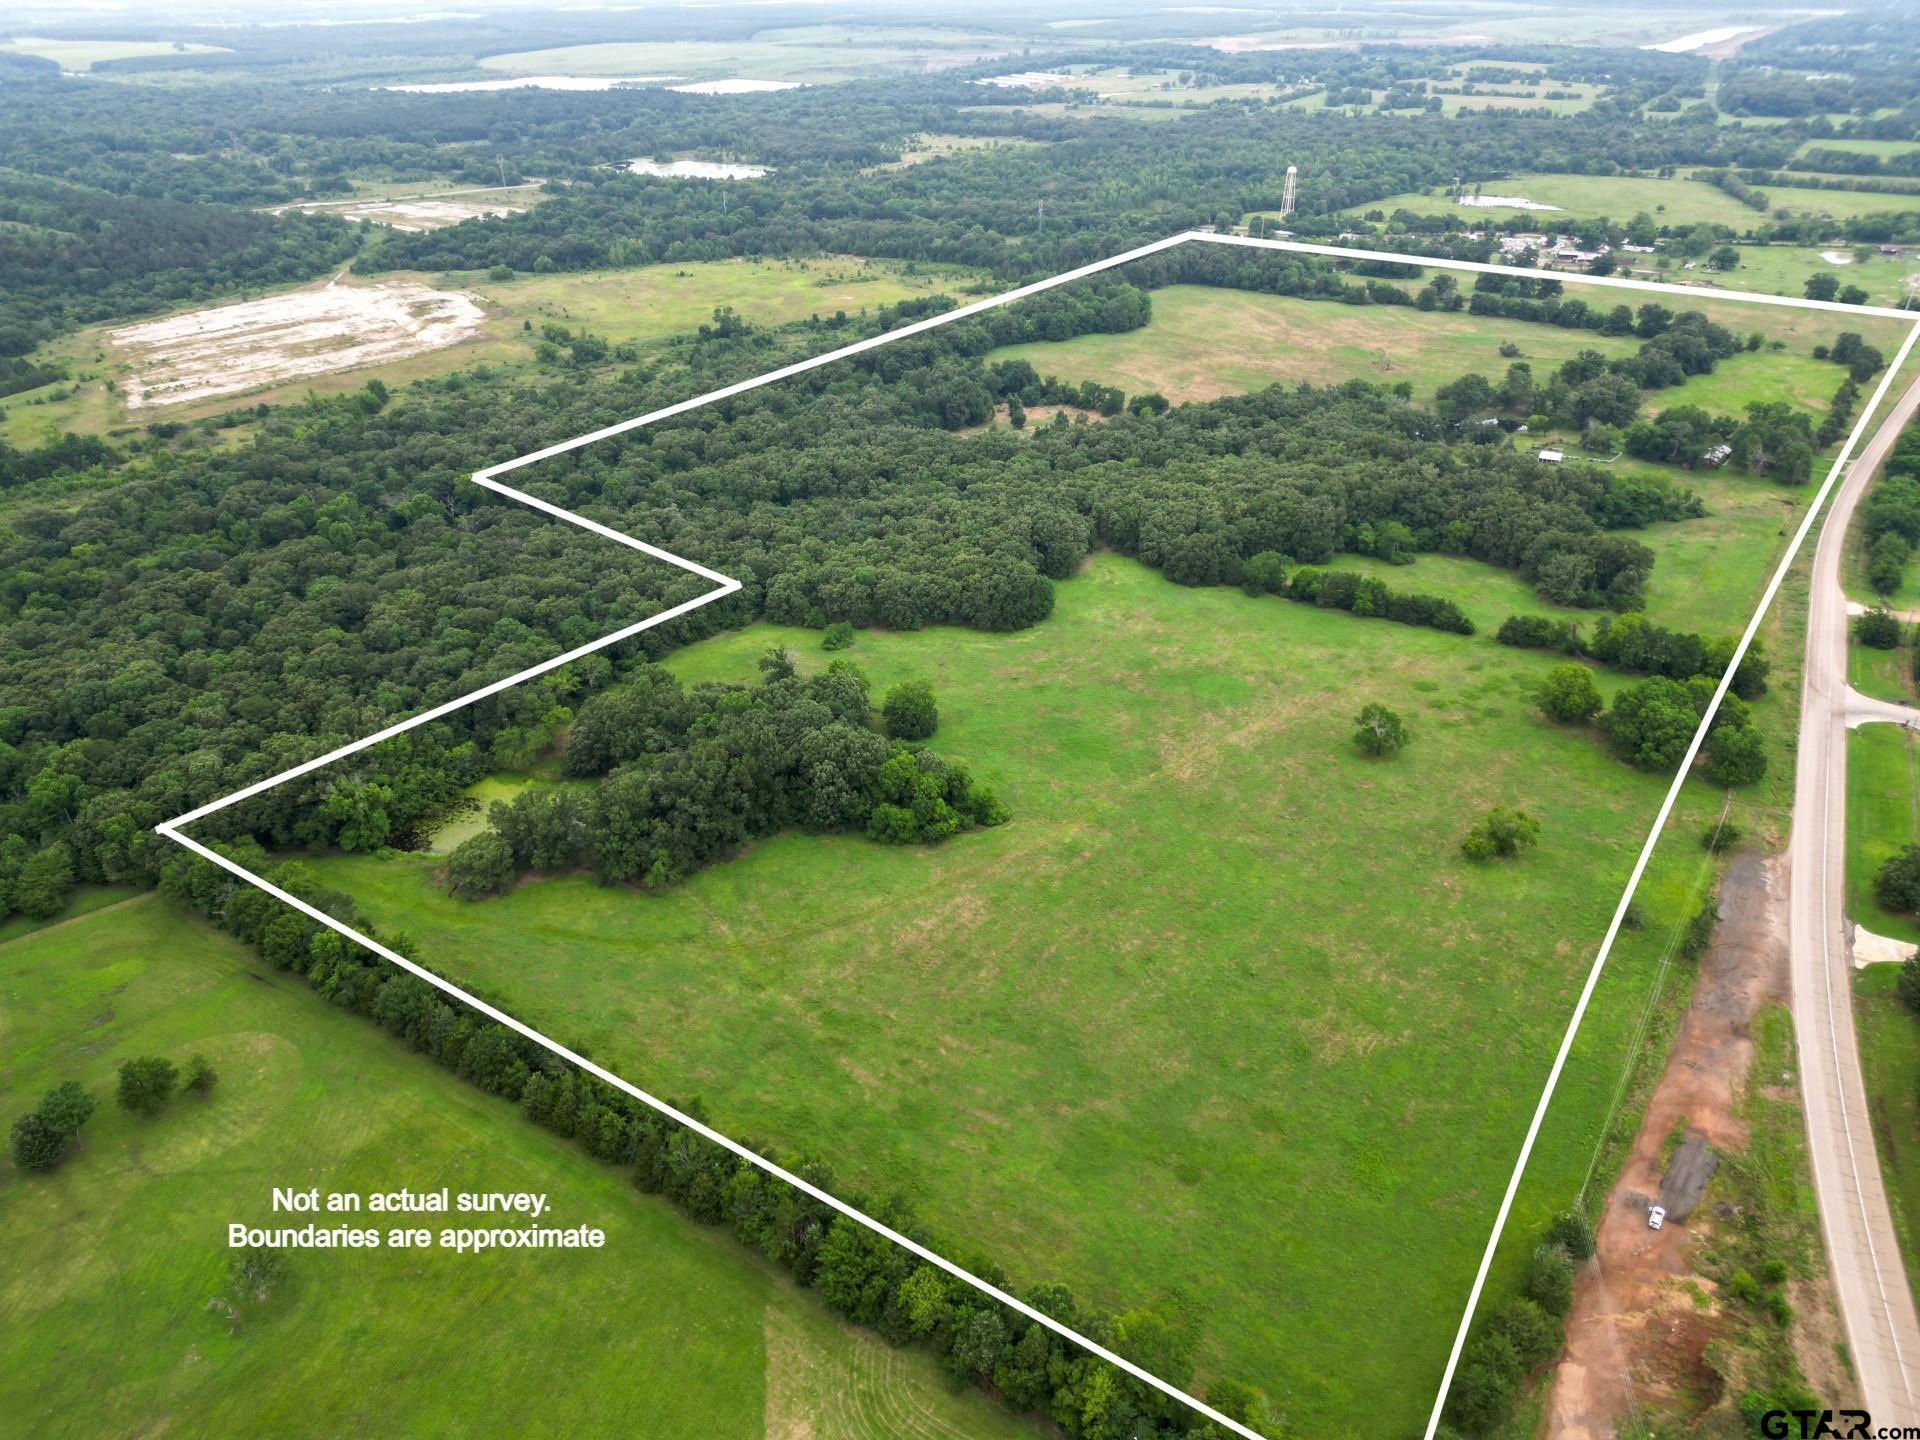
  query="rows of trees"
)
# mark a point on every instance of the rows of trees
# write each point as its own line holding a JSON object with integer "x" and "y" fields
{"x": 869, "y": 1280}
{"x": 1637, "y": 645}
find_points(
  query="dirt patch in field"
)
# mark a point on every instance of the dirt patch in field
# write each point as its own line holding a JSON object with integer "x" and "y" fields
{"x": 417, "y": 215}
{"x": 1642, "y": 1316}
{"x": 1037, "y": 416}
{"x": 334, "y": 327}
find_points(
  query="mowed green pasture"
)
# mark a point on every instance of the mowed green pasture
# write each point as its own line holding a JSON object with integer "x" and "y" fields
{"x": 1785, "y": 270}
{"x": 1883, "y": 818}
{"x": 1204, "y": 341}
{"x": 1707, "y": 576}
{"x": 114, "y": 1287}
{"x": 1883, "y": 674}
{"x": 1223, "y": 1011}
{"x": 75, "y": 55}
{"x": 1677, "y": 201}
{"x": 1890, "y": 1061}
{"x": 1886, "y": 149}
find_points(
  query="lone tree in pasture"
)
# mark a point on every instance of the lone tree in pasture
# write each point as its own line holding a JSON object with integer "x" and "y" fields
{"x": 1380, "y": 731}
{"x": 256, "y": 1270}
{"x": 147, "y": 1084}
{"x": 1569, "y": 694}
{"x": 200, "y": 1077}
{"x": 909, "y": 711}
{"x": 1502, "y": 832}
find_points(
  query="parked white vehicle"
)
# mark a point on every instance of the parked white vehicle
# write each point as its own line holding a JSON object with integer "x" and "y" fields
{"x": 1656, "y": 1217}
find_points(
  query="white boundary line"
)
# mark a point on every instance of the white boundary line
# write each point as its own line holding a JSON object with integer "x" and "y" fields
{"x": 725, "y": 585}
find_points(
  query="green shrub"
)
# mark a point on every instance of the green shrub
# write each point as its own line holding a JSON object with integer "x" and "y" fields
{"x": 147, "y": 1084}
{"x": 1572, "y": 1234}
{"x": 909, "y": 711}
{"x": 480, "y": 865}
{"x": 1502, "y": 832}
{"x": 1549, "y": 1280}
{"x": 1878, "y": 628}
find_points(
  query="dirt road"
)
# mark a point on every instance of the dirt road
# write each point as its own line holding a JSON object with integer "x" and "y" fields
{"x": 1634, "y": 1337}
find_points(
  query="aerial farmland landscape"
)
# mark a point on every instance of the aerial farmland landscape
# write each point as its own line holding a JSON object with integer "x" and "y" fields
{"x": 785, "y": 721}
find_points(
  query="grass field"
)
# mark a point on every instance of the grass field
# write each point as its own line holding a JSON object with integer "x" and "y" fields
{"x": 1673, "y": 202}
{"x": 922, "y": 148}
{"x": 1884, "y": 674}
{"x": 641, "y": 304}
{"x": 1180, "y": 353}
{"x": 809, "y": 54}
{"x": 1883, "y": 148}
{"x": 1280, "y": 338}
{"x": 74, "y": 55}
{"x": 1890, "y": 1059}
{"x": 82, "y": 901}
{"x": 115, "y": 1266}
{"x": 1785, "y": 269}
{"x": 1760, "y": 375}
{"x": 1883, "y": 817}
{"x": 1707, "y": 577}
{"x": 1221, "y": 1012}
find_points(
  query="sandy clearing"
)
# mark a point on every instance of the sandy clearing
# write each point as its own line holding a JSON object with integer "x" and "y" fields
{"x": 1704, "y": 39}
{"x": 334, "y": 327}
{"x": 1502, "y": 202}
{"x": 417, "y": 215}
{"x": 577, "y": 83}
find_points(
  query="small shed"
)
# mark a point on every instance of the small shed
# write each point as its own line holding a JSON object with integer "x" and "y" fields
{"x": 1552, "y": 457}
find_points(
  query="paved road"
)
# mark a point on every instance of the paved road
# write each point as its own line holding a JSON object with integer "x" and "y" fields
{"x": 1876, "y": 1304}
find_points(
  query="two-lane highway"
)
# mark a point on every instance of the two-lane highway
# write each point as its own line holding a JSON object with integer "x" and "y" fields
{"x": 1876, "y": 1304}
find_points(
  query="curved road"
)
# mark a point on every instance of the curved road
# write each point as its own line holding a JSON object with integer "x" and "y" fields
{"x": 1876, "y": 1303}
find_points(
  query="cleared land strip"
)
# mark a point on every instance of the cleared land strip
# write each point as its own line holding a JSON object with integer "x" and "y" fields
{"x": 724, "y": 585}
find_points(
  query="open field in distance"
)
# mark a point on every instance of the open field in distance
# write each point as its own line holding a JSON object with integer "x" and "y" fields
{"x": 1671, "y": 202}
{"x": 639, "y": 304}
{"x": 1180, "y": 352}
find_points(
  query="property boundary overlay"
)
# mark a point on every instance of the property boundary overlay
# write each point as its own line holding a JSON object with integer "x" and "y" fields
{"x": 724, "y": 585}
